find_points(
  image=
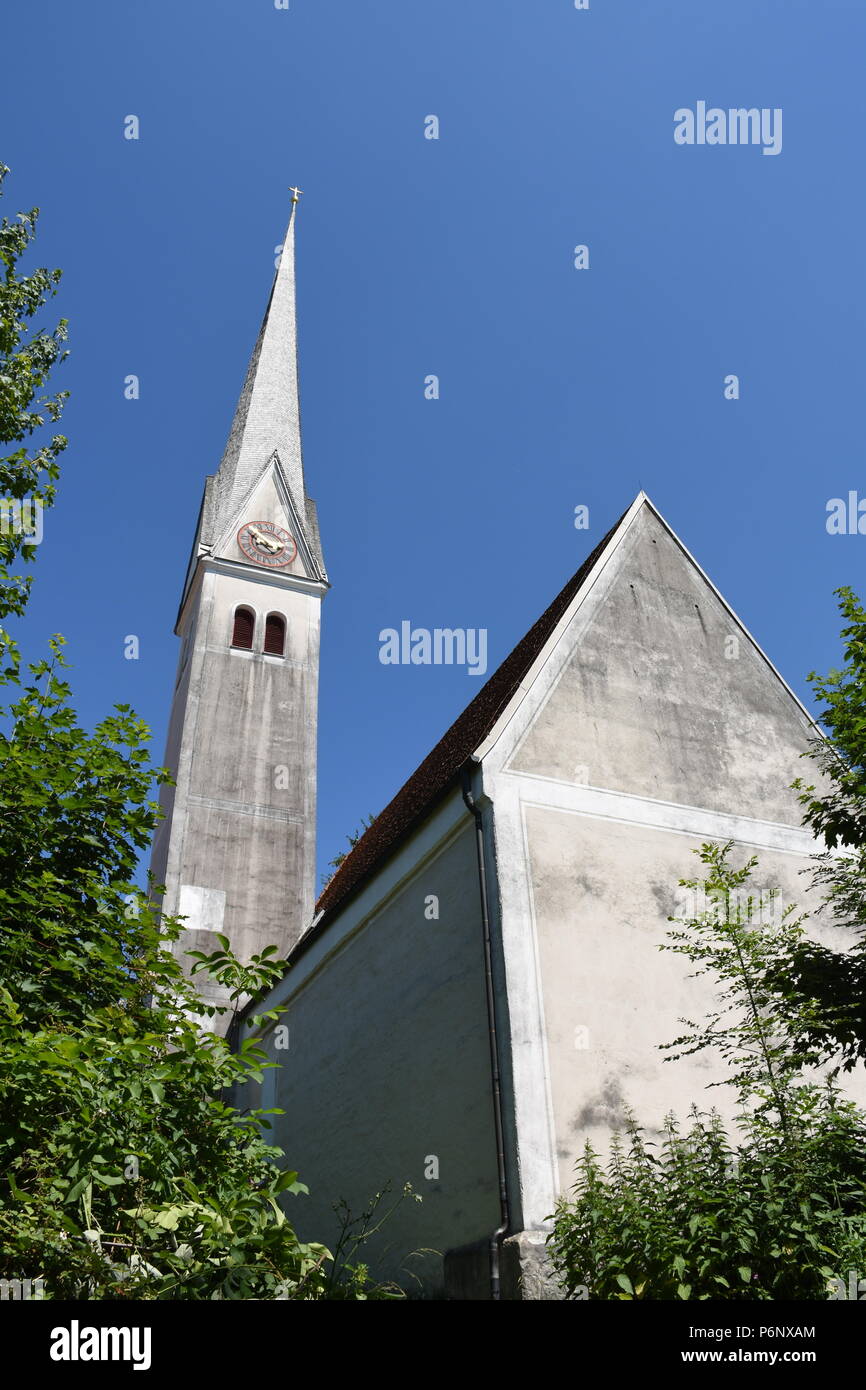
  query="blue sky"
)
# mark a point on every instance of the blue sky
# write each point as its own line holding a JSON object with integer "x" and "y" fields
{"x": 455, "y": 257}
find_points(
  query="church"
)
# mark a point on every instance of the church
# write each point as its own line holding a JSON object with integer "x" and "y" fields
{"x": 479, "y": 989}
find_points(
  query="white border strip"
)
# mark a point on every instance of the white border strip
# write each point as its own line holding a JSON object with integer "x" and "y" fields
{"x": 602, "y": 804}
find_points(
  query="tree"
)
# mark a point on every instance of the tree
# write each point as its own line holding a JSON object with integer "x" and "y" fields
{"x": 366, "y": 822}
{"x": 26, "y": 359}
{"x": 829, "y": 982}
{"x": 124, "y": 1173}
{"x": 776, "y": 1214}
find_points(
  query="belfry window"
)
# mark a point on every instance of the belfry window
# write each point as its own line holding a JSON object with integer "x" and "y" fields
{"x": 275, "y": 635}
{"x": 244, "y": 627}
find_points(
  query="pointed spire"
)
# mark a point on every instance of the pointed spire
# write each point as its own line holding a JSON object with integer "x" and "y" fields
{"x": 267, "y": 417}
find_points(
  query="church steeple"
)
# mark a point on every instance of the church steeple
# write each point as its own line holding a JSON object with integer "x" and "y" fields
{"x": 268, "y": 416}
{"x": 236, "y": 850}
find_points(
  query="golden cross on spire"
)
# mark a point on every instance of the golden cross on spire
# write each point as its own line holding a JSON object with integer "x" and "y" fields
{"x": 296, "y": 193}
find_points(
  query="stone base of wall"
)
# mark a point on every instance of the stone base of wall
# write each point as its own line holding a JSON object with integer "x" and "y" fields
{"x": 525, "y": 1271}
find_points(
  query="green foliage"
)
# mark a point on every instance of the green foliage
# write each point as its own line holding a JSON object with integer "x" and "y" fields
{"x": 776, "y": 1214}
{"x": 695, "y": 1217}
{"x": 123, "y": 1172}
{"x": 838, "y": 815}
{"x": 348, "y": 1276}
{"x": 366, "y": 822}
{"x": 26, "y": 358}
{"x": 830, "y": 982}
{"x": 761, "y": 1042}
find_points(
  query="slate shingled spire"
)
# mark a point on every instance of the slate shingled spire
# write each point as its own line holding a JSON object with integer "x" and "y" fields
{"x": 267, "y": 417}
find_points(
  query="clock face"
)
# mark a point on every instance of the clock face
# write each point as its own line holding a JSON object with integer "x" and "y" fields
{"x": 267, "y": 544}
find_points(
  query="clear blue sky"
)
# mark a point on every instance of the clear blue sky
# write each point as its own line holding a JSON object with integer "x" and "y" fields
{"x": 451, "y": 257}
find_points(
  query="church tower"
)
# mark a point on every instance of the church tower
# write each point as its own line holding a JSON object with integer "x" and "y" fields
{"x": 236, "y": 850}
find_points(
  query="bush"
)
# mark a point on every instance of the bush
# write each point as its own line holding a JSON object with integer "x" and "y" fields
{"x": 777, "y": 1213}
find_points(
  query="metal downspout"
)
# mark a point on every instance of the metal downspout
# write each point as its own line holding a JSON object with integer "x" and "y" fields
{"x": 496, "y": 1237}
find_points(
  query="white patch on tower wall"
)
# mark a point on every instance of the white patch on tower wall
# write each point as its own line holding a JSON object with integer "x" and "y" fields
{"x": 203, "y": 908}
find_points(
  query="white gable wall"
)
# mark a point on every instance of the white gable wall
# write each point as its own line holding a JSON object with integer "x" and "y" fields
{"x": 634, "y": 739}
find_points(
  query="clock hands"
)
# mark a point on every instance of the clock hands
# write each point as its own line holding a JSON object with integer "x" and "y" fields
{"x": 271, "y": 543}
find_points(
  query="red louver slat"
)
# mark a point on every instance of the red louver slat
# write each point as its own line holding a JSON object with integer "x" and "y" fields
{"x": 275, "y": 635}
{"x": 242, "y": 634}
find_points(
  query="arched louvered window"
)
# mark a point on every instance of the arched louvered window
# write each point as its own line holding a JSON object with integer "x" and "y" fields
{"x": 275, "y": 634}
{"x": 244, "y": 627}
